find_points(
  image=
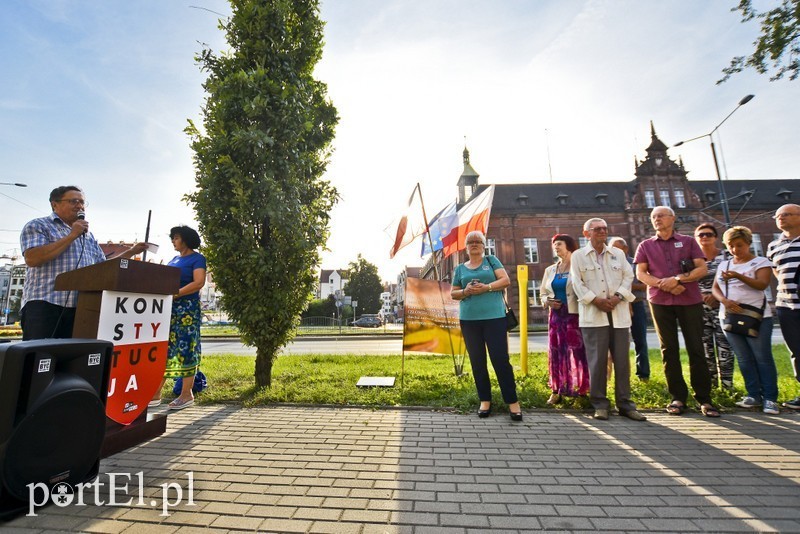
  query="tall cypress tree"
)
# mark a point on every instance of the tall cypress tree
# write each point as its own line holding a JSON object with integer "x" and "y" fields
{"x": 263, "y": 208}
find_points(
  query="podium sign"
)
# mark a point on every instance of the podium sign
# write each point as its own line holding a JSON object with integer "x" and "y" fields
{"x": 138, "y": 325}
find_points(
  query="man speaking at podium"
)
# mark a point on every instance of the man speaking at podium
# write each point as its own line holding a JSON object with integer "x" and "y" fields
{"x": 53, "y": 245}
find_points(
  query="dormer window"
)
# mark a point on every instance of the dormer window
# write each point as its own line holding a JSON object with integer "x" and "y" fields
{"x": 522, "y": 199}
{"x": 658, "y": 160}
{"x": 709, "y": 195}
{"x": 562, "y": 198}
{"x": 745, "y": 193}
{"x": 601, "y": 197}
{"x": 784, "y": 193}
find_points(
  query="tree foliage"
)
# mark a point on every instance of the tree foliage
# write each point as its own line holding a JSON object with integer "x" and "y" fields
{"x": 364, "y": 285}
{"x": 262, "y": 206}
{"x": 777, "y": 46}
{"x": 321, "y": 308}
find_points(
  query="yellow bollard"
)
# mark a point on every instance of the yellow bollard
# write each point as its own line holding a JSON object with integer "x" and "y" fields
{"x": 522, "y": 282}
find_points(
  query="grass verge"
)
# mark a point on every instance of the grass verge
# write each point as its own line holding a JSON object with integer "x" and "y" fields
{"x": 428, "y": 381}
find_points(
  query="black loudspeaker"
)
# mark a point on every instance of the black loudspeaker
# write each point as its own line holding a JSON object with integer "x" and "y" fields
{"x": 52, "y": 414}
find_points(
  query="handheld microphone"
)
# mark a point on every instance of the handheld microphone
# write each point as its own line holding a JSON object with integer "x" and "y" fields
{"x": 82, "y": 217}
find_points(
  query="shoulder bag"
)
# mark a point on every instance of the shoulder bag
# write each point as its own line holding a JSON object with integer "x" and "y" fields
{"x": 511, "y": 318}
{"x": 745, "y": 323}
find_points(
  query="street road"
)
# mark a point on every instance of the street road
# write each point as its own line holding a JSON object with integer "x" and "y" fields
{"x": 385, "y": 345}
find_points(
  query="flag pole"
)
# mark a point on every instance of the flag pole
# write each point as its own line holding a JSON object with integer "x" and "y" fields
{"x": 428, "y": 230}
{"x": 457, "y": 368}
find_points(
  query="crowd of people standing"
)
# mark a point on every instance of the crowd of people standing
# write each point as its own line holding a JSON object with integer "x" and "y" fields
{"x": 595, "y": 296}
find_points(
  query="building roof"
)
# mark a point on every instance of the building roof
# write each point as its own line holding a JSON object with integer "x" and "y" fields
{"x": 605, "y": 197}
{"x": 764, "y": 192}
{"x": 587, "y": 196}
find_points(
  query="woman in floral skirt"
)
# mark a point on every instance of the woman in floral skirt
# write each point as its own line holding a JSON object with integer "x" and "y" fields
{"x": 569, "y": 370}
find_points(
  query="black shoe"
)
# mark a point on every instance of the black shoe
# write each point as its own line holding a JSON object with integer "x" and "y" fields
{"x": 516, "y": 416}
{"x": 483, "y": 414}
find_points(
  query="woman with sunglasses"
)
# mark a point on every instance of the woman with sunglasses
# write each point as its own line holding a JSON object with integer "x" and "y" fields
{"x": 479, "y": 283}
{"x": 720, "y": 357}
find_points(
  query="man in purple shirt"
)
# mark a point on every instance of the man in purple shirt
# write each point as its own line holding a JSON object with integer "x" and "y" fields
{"x": 671, "y": 264}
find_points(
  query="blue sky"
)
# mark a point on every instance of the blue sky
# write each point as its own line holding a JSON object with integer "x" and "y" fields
{"x": 97, "y": 94}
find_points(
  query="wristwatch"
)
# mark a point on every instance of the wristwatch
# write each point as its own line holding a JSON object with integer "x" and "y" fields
{"x": 678, "y": 278}
{"x": 620, "y": 297}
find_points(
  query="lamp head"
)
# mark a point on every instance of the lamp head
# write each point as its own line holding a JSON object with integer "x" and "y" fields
{"x": 746, "y": 99}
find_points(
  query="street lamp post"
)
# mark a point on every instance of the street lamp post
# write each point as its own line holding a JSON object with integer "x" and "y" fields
{"x": 723, "y": 199}
{"x": 17, "y": 184}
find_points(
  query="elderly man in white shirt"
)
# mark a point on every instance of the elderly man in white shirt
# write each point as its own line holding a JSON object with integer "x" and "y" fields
{"x": 601, "y": 277}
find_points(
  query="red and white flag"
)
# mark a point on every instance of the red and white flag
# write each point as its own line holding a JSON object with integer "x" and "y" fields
{"x": 409, "y": 226}
{"x": 473, "y": 216}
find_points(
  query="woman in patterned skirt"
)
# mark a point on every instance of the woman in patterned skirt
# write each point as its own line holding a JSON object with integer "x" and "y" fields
{"x": 719, "y": 356}
{"x": 183, "y": 356}
{"x": 569, "y": 370}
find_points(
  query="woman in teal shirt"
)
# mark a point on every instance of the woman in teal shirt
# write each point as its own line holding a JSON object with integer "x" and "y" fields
{"x": 478, "y": 283}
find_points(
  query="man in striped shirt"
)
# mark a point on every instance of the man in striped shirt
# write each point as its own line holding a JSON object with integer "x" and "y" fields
{"x": 784, "y": 253}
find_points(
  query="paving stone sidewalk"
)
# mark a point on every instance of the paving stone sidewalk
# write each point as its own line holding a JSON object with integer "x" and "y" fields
{"x": 298, "y": 469}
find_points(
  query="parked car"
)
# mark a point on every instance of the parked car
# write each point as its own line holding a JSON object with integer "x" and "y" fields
{"x": 368, "y": 321}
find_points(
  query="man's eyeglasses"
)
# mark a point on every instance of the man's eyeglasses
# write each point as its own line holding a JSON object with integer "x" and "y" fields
{"x": 599, "y": 229}
{"x": 706, "y": 234}
{"x": 474, "y": 242}
{"x": 781, "y": 215}
{"x": 74, "y": 201}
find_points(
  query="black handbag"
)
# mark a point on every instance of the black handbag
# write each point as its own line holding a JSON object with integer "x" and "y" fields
{"x": 511, "y": 318}
{"x": 745, "y": 323}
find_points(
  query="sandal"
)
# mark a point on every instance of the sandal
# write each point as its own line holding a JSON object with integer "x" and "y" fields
{"x": 676, "y": 408}
{"x": 709, "y": 411}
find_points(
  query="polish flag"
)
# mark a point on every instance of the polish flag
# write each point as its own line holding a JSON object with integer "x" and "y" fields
{"x": 410, "y": 225}
{"x": 473, "y": 216}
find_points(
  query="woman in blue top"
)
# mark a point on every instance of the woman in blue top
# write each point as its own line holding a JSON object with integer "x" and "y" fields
{"x": 183, "y": 356}
{"x": 478, "y": 283}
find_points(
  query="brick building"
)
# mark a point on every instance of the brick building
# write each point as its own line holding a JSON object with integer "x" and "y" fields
{"x": 526, "y": 216}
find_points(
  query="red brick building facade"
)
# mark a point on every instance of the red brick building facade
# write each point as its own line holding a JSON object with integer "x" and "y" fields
{"x": 526, "y": 216}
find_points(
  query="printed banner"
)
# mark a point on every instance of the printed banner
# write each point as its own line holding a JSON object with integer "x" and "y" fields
{"x": 138, "y": 325}
{"x": 431, "y": 318}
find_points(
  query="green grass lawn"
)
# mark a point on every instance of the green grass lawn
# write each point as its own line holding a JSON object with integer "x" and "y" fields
{"x": 428, "y": 381}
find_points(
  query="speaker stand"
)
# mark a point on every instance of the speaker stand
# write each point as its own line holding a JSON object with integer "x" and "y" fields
{"x": 122, "y": 437}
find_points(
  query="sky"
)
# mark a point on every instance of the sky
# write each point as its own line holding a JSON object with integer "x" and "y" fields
{"x": 97, "y": 94}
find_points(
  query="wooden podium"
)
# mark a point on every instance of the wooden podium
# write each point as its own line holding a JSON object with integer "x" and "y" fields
{"x": 146, "y": 283}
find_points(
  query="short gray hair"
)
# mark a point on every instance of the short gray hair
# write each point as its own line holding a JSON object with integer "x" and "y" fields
{"x": 670, "y": 210}
{"x": 588, "y": 223}
{"x": 476, "y": 233}
{"x": 617, "y": 239}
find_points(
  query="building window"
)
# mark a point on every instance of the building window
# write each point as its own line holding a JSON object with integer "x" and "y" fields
{"x": 534, "y": 293}
{"x": 531, "y": 250}
{"x": 664, "y": 195}
{"x": 680, "y": 201}
{"x": 583, "y": 241}
{"x": 649, "y": 198}
{"x": 490, "y": 247}
{"x": 755, "y": 246}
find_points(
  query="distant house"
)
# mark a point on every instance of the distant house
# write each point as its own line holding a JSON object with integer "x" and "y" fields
{"x": 109, "y": 249}
{"x": 330, "y": 281}
{"x": 400, "y": 288}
